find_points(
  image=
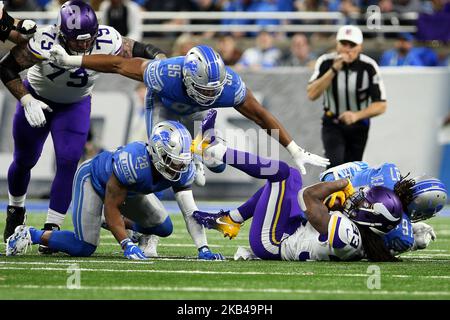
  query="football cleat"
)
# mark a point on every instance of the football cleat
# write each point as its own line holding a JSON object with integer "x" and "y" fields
{"x": 148, "y": 244}
{"x": 48, "y": 227}
{"x": 206, "y": 136}
{"x": 15, "y": 216}
{"x": 19, "y": 241}
{"x": 220, "y": 221}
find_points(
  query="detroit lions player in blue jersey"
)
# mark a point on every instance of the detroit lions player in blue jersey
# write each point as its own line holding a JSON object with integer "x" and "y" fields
{"x": 422, "y": 198}
{"x": 119, "y": 181}
{"x": 181, "y": 88}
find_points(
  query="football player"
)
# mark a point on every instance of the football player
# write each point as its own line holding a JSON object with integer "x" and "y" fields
{"x": 422, "y": 197}
{"x": 119, "y": 182}
{"x": 292, "y": 223}
{"x": 15, "y": 30}
{"x": 184, "y": 87}
{"x": 57, "y": 100}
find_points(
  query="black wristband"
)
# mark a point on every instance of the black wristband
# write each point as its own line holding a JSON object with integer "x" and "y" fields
{"x": 147, "y": 51}
{"x": 6, "y": 25}
{"x": 334, "y": 70}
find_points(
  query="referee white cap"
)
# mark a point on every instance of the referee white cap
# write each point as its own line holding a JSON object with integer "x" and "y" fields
{"x": 350, "y": 33}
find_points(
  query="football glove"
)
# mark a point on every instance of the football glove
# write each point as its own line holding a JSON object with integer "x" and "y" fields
{"x": 205, "y": 254}
{"x": 302, "y": 157}
{"x": 26, "y": 27}
{"x": 33, "y": 110}
{"x": 423, "y": 235}
{"x": 131, "y": 251}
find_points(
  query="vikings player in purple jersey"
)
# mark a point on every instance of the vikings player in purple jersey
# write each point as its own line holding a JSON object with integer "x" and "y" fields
{"x": 56, "y": 100}
{"x": 183, "y": 88}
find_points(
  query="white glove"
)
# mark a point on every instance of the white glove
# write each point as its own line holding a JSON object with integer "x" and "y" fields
{"x": 423, "y": 234}
{"x": 302, "y": 157}
{"x": 33, "y": 110}
{"x": 60, "y": 57}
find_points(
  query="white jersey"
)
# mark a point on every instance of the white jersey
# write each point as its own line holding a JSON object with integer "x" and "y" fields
{"x": 343, "y": 242}
{"x": 66, "y": 85}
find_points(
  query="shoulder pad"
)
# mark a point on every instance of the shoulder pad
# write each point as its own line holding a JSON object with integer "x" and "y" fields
{"x": 42, "y": 41}
{"x": 123, "y": 167}
{"x": 109, "y": 41}
{"x": 343, "y": 233}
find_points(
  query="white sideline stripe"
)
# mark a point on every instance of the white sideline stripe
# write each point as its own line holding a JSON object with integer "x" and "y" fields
{"x": 362, "y": 275}
{"x": 264, "y": 290}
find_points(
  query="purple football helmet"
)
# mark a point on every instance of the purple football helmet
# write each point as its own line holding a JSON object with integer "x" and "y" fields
{"x": 377, "y": 207}
{"x": 78, "y": 26}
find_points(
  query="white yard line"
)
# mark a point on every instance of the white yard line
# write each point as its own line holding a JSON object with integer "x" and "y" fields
{"x": 220, "y": 290}
{"x": 351, "y": 275}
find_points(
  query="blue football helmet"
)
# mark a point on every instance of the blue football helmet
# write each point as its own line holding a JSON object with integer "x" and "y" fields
{"x": 378, "y": 208}
{"x": 170, "y": 148}
{"x": 429, "y": 196}
{"x": 204, "y": 75}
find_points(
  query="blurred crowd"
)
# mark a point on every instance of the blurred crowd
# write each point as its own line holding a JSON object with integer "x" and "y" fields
{"x": 264, "y": 52}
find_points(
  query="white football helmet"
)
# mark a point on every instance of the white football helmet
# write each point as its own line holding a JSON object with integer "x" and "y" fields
{"x": 204, "y": 75}
{"x": 170, "y": 148}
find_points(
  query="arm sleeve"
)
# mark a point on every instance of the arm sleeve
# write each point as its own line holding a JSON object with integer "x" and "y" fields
{"x": 185, "y": 200}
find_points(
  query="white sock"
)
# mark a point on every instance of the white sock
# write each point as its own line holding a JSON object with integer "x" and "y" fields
{"x": 236, "y": 216}
{"x": 55, "y": 217}
{"x": 17, "y": 201}
{"x": 213, "y": 155}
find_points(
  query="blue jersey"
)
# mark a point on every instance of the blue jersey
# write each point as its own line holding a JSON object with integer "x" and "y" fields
{"x": 164, "y": 82}
{"x": 387, "y": 175}
{"x": 131, "y": 164}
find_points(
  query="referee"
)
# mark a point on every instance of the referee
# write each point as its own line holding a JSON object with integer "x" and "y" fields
{"x": 353, "y": 92}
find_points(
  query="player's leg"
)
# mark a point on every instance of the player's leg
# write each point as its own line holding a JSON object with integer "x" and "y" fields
{"x": 69, "y": 131}
{"x": 272, "y": 219}
{"x": 356, "y": 138}
{"x": 28, "y": 144}
{"x": 333, "y": 142}
{"x": 86, "y": 217}
{"x": 150, "y": 219}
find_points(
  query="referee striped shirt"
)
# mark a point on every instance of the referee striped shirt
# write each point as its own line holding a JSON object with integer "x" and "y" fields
{"x": 354, "y": 87}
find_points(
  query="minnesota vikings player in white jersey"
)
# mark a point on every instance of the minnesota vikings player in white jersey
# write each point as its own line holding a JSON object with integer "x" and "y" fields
{"x": 183, "y": 87}
{"x": 295, "y": 223}
{"x": 57, "y": 100}
{"x": 119, "y": 181}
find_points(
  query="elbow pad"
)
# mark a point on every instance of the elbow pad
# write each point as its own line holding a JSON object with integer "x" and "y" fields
{"x": 9, "y": 68}
{"x": 6, "y": 25}
{"x": 147, "y": 51}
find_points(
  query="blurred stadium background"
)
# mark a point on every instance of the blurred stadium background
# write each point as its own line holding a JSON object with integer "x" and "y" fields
{"x": 409, "y": 134}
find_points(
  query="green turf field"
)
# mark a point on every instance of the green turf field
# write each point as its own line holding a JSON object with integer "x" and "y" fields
{"x": 178, "y": 275}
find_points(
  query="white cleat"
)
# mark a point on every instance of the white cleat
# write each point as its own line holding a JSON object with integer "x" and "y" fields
{"x": 200, "y": 178}
{"x": 19, "y": 241}
{"x": 148, "y": 244}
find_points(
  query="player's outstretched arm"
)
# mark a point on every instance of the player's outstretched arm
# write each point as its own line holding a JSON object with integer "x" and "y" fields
{"x": 132, "y": 68}
{"x": 311, "y": 200}
{"x": 253, "y": 110}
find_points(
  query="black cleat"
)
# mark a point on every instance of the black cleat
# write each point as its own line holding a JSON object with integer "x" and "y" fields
{"x": 48, "y": 227}
{"x": 15, "y": 216}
